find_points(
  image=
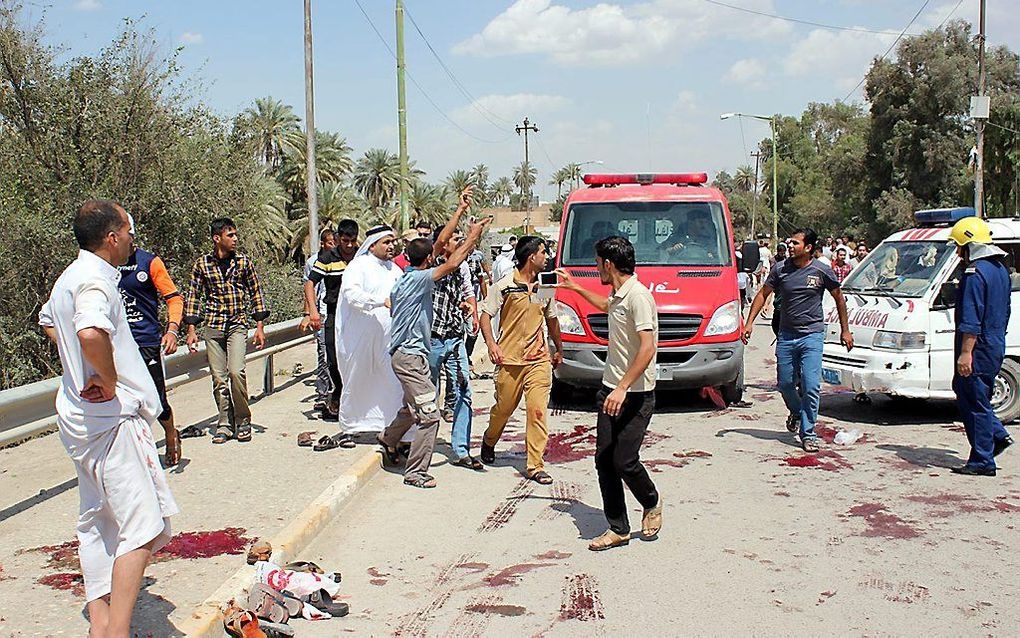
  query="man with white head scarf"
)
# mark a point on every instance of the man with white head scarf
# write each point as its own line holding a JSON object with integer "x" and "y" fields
{"x": 371, "y": 393}
{"x": 503, "y": 265}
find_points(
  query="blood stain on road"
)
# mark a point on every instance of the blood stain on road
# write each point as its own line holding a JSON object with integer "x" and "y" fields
{"x": 749, "y": 417}
{"x": 511, "y": 575}
{"x": 692, "y": 454}
{"x": 497, "y": 610}
{"x": 74, "y": 583}
{"x": 581, "y": 599}
{"x": 835, "y": 461}
{"x": 651, "y": 438}
{"x": 945, "y": 504}
{"x": 553, "y": 554}
{"x": 883, "y": 524}
{"x": 828, "y": 434}
{"x": 763, "y": 396}
{"x": 474, "y": 566}
{"x": 230, "y": 540}
{"x": 575, "y": 445}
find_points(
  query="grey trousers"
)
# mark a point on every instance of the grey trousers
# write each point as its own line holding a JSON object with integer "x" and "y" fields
{"x": 323, "y": 383}
{"x": 226, "y": 349}
{"x": 419, "y": 407}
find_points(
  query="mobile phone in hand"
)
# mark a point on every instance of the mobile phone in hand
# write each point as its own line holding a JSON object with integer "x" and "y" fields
{"x": 548, "y": 279}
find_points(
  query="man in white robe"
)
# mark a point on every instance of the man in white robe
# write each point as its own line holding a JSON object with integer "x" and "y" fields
{"x": 106, "y": 405}
{"x": 371, "y": 395}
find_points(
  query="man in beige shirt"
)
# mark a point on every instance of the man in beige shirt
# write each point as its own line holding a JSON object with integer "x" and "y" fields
{"x": 525, "y": 363}
{"x": 627, "y": 398}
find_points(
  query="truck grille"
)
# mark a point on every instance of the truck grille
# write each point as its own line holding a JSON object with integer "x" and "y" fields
{"x": 660, "y": 357}
{"x": 672, "y": 327}
{"x": 850, "y": 362}
{"x": 705, "y": 274}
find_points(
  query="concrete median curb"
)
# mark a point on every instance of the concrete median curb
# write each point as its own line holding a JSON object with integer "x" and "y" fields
{"x": 205, "y": 620}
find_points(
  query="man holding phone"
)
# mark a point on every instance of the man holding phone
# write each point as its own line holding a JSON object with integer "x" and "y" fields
{"x": 627, "y": 398}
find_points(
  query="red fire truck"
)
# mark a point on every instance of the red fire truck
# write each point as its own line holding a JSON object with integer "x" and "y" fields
{"x": 682, "y": 234}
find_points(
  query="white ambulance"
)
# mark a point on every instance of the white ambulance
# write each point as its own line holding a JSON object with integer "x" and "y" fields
{"x": 900, "y": 302}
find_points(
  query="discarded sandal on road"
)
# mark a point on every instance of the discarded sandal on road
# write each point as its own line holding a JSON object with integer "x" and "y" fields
{"x": 269, "y": 604}
{"x": 259, "y": 550}
{"x": 191, "y": 432}
{"x": 322, "y": 601}
{"x": 326, "y": 443}
{"x": 305, "y": 439}
{"x": 242, "y": 623}
{"x": 305, "y": 566}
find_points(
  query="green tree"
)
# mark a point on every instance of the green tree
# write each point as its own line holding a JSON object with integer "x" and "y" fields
{"x": 744, "y": 179}
{"x": 332, "y": 162}
{"x": 525, "y": 176}
{"x": 502, "y": 189}
{"x": 269, "y": 122}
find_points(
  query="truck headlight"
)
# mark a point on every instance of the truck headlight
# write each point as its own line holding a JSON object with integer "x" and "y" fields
{"x": 725, "y": 320}
{"x": 890, "y": 340}
{"x": 570, "y": 323}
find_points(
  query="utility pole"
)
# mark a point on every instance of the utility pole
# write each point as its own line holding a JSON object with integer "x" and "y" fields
{"x": 311, "y": 187}
{"x": 405, "y": 222}
{"x": 775, "y": 186}
{"x": 754, "y": 201}
{"x": 526, "y": 128}
{"x": 979, "y": 111}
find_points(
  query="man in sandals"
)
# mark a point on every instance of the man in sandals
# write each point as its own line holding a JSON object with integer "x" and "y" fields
{"x": 410, "y": 345}
{"x": 225, "y": 281}
{"x": 525, "y": 365}
{"x": 144, "y": 280}
{"x": 627, "y": 398}
{"x": 105, "y": 408}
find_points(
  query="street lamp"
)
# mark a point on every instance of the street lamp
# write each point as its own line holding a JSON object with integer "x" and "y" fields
{"x": 577, "y": 183}
{"x": 771, "y": 119}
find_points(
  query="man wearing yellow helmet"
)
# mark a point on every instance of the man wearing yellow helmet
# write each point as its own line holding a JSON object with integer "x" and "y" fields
{"x": 982, "y": 312}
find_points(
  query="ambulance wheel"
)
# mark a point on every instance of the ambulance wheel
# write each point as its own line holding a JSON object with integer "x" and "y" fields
{"x": 734, "y": 392}
{"x": 1006, "y": 392}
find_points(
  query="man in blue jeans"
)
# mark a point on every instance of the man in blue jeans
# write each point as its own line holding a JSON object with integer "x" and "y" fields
{"x": 801, "y": 280}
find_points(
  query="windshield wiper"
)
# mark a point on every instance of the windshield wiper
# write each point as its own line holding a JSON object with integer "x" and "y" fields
{"x": 884, "y": 292}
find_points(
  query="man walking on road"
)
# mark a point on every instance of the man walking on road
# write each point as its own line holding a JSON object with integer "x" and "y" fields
{"x": 105, "y": 406}
{"x": 801, "y": 280}
{"x": 525, "y": 366}
{"x": 410, "y": 347}
{"x": 329, "y": 270}
{"x": 323, "y": 382}
{"x": 627, "y": 398}
{"x": 982, "y": 313}
{"x": 226, "y": 283}
{"x": 144, "y": 280}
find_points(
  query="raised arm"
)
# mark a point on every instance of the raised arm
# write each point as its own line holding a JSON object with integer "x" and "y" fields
{"x": 439, "y": 246}
{"x": 475, "y": 231}
{"x": 567, "y": 283}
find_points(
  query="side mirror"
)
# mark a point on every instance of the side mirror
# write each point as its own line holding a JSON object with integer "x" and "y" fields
{"x": 751, "y": 256}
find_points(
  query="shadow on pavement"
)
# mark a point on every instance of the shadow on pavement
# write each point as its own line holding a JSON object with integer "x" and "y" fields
{"x": 762, "y": 435}
{"x": 886, "y": 411}
{"x": 925, "y": 456}
{"x": 589, "y": 521}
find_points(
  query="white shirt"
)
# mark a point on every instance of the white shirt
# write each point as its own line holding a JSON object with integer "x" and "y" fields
{"x": 86, "y": 296}
{"x": 766, "y": 259}
{"x": 501, "y": 267}
{"x": 320, "y": 288}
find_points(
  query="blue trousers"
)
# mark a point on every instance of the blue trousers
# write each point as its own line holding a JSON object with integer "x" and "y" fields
{"x": 451, "y": 354}
{"x": 974, "y": 399}
{"x": 799, "y": 362}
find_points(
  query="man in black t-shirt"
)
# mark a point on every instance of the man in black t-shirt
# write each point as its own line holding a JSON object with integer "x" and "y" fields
{"x": 329, "y": 269}
{"x": 801, "y": 280}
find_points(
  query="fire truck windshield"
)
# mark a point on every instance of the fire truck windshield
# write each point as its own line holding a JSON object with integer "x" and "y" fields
{"x": 663, "y": 233}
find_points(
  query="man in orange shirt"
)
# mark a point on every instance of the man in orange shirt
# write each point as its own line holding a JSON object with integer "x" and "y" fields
{"x": 144, "y": 280}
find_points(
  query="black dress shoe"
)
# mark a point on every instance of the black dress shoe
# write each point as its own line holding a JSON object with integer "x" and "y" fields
{"x": 1001, "y": 445}
{"x": 488, "y": 454}
{"x": 970, "y": 470}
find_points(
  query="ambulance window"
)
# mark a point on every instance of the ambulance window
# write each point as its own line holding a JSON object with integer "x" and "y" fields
{"x": 1012, "y": 260}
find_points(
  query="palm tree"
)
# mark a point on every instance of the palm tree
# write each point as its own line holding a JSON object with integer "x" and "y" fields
{"x": 337, "y": 200}
{"x": 268, "y": 230}
{"x": 377, "y": 177}
{"x": 744, "y": 179}
{"x": 558, "y": 178}
{"x": 525, "y": 176}
{"x": 502, "y": 189}
{"x": 332, "y": 161}
{"x": 574, "y": 174}
{"x": 269, "y": 121}
{"x": 483, "y": 190}
{"x": 459, "y": 180}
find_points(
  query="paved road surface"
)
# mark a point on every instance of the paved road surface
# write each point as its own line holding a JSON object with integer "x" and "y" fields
{"x": 874, "y": 539}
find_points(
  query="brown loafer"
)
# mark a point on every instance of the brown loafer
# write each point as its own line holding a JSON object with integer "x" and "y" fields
{"x": 608, "y": 540}
{"x": 651, "y": 522}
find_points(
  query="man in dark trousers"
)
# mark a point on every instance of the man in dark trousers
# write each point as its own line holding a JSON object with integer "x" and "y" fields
{"x": 144, "y": 281}
{"x": 627, "y": 399}
{"x": 982, "y": 312}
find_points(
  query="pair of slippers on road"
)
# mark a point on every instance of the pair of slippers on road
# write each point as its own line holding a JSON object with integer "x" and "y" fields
{"x": 325, "y": 442}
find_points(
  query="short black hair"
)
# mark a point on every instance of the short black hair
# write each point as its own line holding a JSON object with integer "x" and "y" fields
{"x": 618, "y": 250}
{"x": 325, "y": 234}
{"x": 421, "y": 223}
{"x": 526, "y": 247}
{"x": 809, "y": 234}
{"x": 418, "y": 250}
{"x": 220, "y": 224}
{"x": 348, "y": 227}
{"x": 96, "y": 219}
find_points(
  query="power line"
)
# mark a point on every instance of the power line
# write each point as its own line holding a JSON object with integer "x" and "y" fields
{"x": 487, "y": 114}
{"x": 774, "y": 16}
{"x": 891, "y": 46}
{"x": 1005, "y": 128}
{"x": 424, "y": 93}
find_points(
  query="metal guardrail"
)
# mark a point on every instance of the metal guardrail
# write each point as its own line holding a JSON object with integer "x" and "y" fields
{"x": 29, "y": 410}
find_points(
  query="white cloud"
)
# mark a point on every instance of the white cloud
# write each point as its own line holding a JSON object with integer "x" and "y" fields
{"x": 749, "y": 72}
{"x": 609, "y": 34}
{"x": 189, "y": 37}
{"x": 87, "y": 5}
{"x": 505, "y": 110}
{"x": 841, "y": 58}
{"x": 686, "y": 102}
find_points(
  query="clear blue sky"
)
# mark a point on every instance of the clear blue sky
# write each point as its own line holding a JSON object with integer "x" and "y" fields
{"x": 638, "y": 85}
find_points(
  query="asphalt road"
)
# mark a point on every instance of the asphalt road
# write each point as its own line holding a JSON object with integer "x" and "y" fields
{"x": 875, "y": 538}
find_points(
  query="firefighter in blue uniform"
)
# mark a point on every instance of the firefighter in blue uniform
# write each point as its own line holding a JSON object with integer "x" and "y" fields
{"x": 982, "y": 312}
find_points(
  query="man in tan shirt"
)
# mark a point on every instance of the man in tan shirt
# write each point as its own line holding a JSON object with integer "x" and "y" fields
{"x": 627, "y": 399}
{"x": 525, "y": 364}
